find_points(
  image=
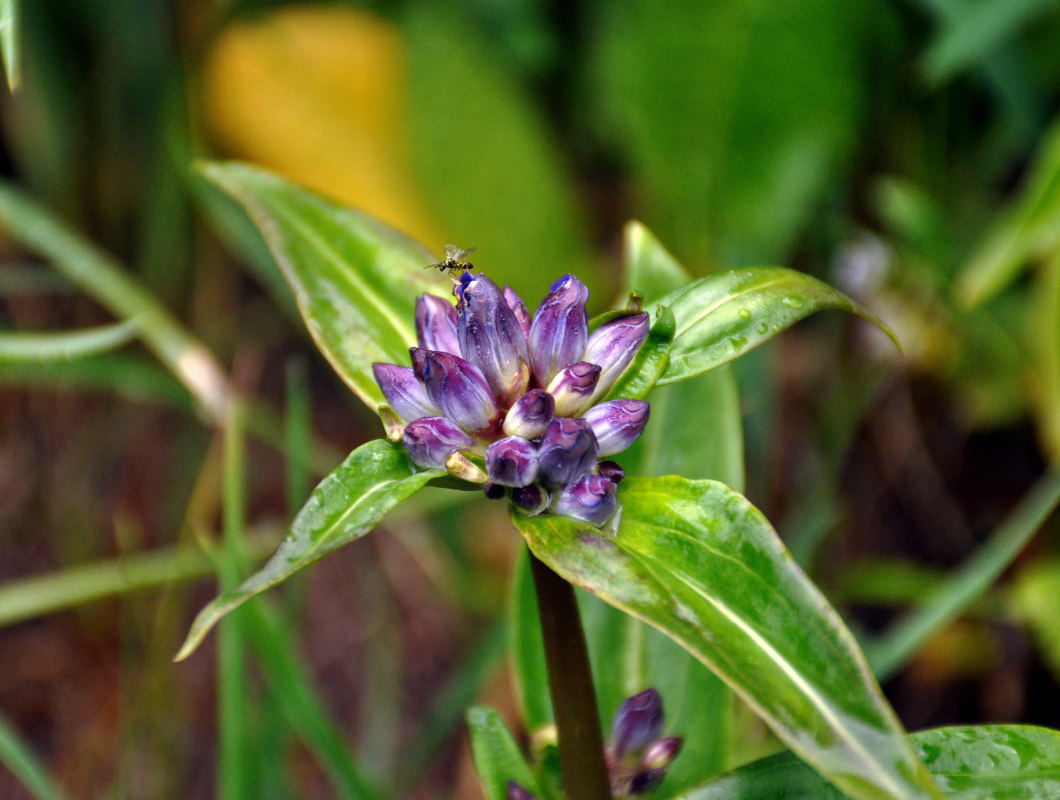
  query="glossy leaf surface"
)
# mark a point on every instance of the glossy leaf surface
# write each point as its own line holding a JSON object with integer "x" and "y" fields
{"x": 355, "y": 280}
{"x": 697, "y": 561}
{"x": 988, "y": 762}
{"x": 347, "y": 504}
{"x": 722, "y": 316}
{"x": 497, "y": 756}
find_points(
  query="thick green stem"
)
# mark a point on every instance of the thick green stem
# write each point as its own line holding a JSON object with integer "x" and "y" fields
{"x": 570, "y": 683}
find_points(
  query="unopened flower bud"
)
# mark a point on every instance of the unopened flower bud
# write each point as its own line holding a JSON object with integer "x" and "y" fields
{"x": 567, "y": 451}
{"x": 530, "y": 500}
{"x": 436, "y": 324}
{"x": 456, "y": 387}
{"x": 590, "y": 498}
{"x": 530, "y": 415}
{"x": 560, "y": 328}
{"x": 517, "y": 792}
{"x": 431, "y": 440}
{"x": 512, "y": 461}
{"x": 572, "y": 387}
{"x": 403, "y": 392}
{"x": 518, "y": 307}
{"x": 610, "y": 470}
{"x": 617, "y": 424}
{"x": 662, "y": 753}
{"x": 638, "y": 723}
{"x": 494, "y": 491}
{"x": 613, "y": 346}
{"x": 490, "y": 336}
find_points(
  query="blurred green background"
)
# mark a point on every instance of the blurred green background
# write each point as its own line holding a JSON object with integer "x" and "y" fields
{"x": 906, "y": 151}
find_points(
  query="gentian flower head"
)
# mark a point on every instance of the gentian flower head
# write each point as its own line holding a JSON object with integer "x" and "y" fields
{"x": 522, "y": 392}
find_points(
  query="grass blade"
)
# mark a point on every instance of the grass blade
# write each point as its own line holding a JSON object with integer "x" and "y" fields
{"x": 65, "y": 345}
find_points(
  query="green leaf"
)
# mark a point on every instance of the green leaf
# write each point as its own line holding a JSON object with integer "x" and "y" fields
{"x": 347, "y": 504}
{"x": 944, "y": 604}
{"x": 65, "y": 345}
{"x": 9, "y": 42}
{"x": 355, "y": 280}
{"x": 23, "y": 763}
{"x": 722, "y": 316}
{"x": 650, "y": 269}
{"x": 987, "y": 762}
{"x": 497, "y": 756}
{"x": 651, "y": 360}
{"x": 697, "y": 561}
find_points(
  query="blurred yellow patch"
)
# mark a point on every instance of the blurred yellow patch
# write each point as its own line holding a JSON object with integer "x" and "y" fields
{"x": 317, "y": 93}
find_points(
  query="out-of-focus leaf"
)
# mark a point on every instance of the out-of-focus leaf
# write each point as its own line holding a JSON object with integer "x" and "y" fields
{"x": 732, "y": 125}
{"x": 484, "y": 154}
{"x": 497, "y": 757}
{"x": 65, "y": 345}
{"x": 697, "y": 561}
{"x": 722, "y": 316}
{"x": 136, "y": 379}
{"x": 988, "y": 762}
{"x": 347, "y": 504}
{"x": 1035, "y": 599}
{"x": 316, "y": 92}
{"x": 9, "y": 42}
{"x": 24, "y": 765}
{"x": 34, "y": 226}
{"x": 978, "y": 30}
{"x": 1043, "y": 329}
{"x": 650, "y": 269}
{"x": 356, "y": 280}
{"x": 1027, "y": 230}
{"x": 946, "y": 602}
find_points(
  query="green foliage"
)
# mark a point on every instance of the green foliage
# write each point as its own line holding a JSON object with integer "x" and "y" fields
{"x": 37, "y": 347}
{"x": 497, "y": 756}
{"x": 989, "y": 762}
{"x": 347, "y": 504}
{"x": 696, "y": 560}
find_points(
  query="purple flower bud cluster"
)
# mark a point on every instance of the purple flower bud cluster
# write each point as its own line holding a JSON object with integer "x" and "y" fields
{"x": 522, "y": 392}
{"x": 638, "y": 755}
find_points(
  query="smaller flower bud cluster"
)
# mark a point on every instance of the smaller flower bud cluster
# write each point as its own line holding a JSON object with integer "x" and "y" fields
{"x": 523, "y": 392}
{"x": 638, "y": 755}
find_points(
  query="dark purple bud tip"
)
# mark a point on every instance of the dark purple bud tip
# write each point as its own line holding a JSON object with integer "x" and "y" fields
{"x": 531, "y": 500}
{"x": 590, "y": 499}
{"x": 567, "y": 451}
{"x": 610, "y": 470}
{"x": 617, "y": 424}
{"x": 530, "y": 415}
{"x": 645, "y": 782}
{"x": 638, "y": 723}
{"x": 517, "y": 792}
{"x": 512, "y": 462}
{"x": 494, "y": 491}
{"x": 662, "y": 753}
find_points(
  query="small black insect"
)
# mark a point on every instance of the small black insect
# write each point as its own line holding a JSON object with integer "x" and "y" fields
{"x": 455, "y": 260}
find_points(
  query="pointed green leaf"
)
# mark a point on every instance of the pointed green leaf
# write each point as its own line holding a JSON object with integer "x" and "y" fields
{"x": 65, "y": 345}
{"x": 9, "y": 42}
{"x": 722, "y": 316}
{"x": 987, "y": 762}
{"x": 355, "y": 280}
{"x": 347, "y": 504}
{"x": 697, "y": 561}
{"x": 497, "y": 756}
{"x": 650, "y": 268}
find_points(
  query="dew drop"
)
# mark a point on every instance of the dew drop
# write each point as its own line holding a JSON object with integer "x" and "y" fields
{"x": 744, "y": 313}
{"x": 793, "y": 302}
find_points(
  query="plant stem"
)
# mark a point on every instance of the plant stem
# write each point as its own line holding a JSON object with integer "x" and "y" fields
{"x": 570, "y": 684}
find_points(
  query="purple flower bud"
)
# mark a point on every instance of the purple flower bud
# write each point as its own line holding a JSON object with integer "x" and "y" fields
{"x": 612, "y": 346}
{"x": 591, "y": 498}
{"x": 644, "y": 782}
{"x": 493, "y": 491}
{"x": 531, "y": 500}
{"x": 560, "y": 329}
{"x": 512, "y": 462}
{"x": 638, "y": 724}
{"x": 617, "y": 424}
{"x": 530, "y": 415}
{"x": 518, "y": 307}
{"x": 491, "y": 338}
{"x": 403, "y": 392}
{"x": 517, "y": 792}
{"x": 573, "y": 387}
{"x": 456, "y": 387}
{"x": 436, "y": 325}
{"x": 431, "y": 440}
{"x": 567, "y": 451}
{"x": 662, "y": 753}
{"x": 610, "y": 470}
